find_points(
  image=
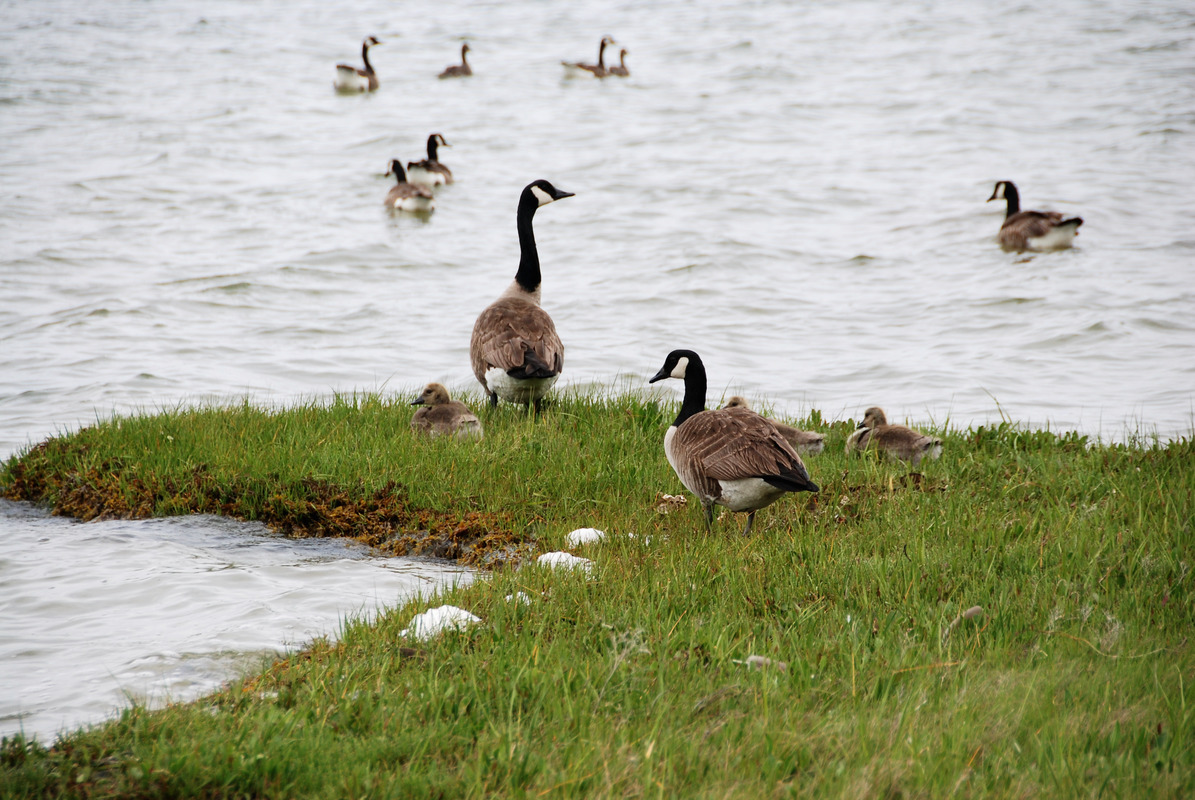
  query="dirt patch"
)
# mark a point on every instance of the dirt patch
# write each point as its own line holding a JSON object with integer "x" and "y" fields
{"x": 384, "y": 518}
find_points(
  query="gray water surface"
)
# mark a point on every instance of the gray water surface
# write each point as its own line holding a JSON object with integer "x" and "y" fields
{"x": 96, "y": 615}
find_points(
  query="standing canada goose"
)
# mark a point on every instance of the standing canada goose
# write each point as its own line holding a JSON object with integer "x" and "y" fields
{"x": 579, "y": 70}
{"x": 430, "y": 172}
{"x": 407, "y": 196}
{"x": 462, "y": 70}
{"x": 351, "y": 79}
{"x": 516, "y": 352}
{"x": 1032, "y": 230}
{"x": 443, "y": 416}
{"x": 621, "y": 70}
{"x": 804, "y": 442}
{"x": 895, "y": 440}
{"x": 730, "y": 457}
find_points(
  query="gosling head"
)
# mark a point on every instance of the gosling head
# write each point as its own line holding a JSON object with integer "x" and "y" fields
{"x": 872, "y": 417}
{"x": 434, "y": 394}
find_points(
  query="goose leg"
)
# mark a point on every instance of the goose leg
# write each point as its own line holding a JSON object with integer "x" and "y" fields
{"x": 709, "y": 518}
{"x": 750, "y": 519}
{"x": 493, "y": 399}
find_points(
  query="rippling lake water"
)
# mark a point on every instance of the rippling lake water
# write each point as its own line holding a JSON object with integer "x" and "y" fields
{"x": 97, "y": 614}
{"x": 188, "y": 212}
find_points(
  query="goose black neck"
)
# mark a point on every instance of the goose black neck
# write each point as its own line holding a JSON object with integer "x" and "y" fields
{"x": 1013, "y": 198}
{"x": 464, "y": 52}
{"x": 432, "y": 146}
{"x": 694, "y": 402}
{"x": 602, "y": 54}
{"x": 528, "y": 275}
{"x": 365, "y": 58}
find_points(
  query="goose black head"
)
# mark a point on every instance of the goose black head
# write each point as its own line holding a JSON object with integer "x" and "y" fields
{"x": 1003, "y": 189}
{"x": 371, "y": 41}
{"x": 397, "y": 171}
{"x": 676, "y": 365}
{"x": 544, "y": 192}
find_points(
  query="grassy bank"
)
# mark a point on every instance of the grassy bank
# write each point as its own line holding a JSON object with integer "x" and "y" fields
{"x": 1074, "y": 681}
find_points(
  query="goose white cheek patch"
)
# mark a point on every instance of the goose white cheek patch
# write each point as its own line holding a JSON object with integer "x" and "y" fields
{"x": 679, "y": 370}
{"x": 543, "y": 197}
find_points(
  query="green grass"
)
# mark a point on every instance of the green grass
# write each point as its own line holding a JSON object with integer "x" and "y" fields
{"x": 1074, "y": 682}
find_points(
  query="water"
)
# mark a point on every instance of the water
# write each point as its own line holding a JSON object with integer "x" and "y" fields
{"x": 796, "y": 191}
{"x": 97, "y": 614}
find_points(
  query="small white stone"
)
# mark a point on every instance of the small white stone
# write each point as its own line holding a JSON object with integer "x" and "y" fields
{"x": 435, "y": 621}
{"x": 561, "y": 560}
{"x": 759, "y": 662}
{"x": 584, "y": 536}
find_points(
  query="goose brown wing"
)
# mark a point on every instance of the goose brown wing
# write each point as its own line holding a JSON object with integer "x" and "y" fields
{"x": 513, "y": 334}
{"x": 734, "y": 443}
{"x": 1033, "y": 224}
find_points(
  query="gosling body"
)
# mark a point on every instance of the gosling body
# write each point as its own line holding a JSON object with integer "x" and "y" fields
{"x": 440, "y": 415}
{"x": 804, "y": 442}
{"x": 897, "y": 441}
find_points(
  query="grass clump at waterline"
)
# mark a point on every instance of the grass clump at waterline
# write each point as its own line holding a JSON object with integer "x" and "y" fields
{"x": 636, "y": 680}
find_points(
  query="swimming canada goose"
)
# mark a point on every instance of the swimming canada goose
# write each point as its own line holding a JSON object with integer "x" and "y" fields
{"x": 443, "y": 416}
{"x": 621, "y": 70}
{"x": 407, "y": 196}
{"x": 462, "y": 70}
{"x": 895, "y": 440}
{"x": 516, "y": 352}
{"x": 351, "y": 79}
{"x": 430, "y": 172}
{"x": 730, "y": 457}
{"x": 579, "y": 70}
{"x": 805, "y": 442}
{"x": 1032, "y": 230}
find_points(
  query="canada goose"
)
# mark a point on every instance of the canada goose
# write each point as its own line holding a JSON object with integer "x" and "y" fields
{"x": 516, "y": 352}
{"x": 806, "y": 442}
{"x": 407, "y": 196}
{"x": 621, "y": 70}
{"x": 579, "y": 70}
{"x": 351, "y": 79}
{"x": 430, "y": 172}
{"x": 443, "y": 416}
{"x": 895, "y": 440}
{"x": 1032, "y": 230}
{"x": 461, "y": 70}
{"x": 730, "y": 457}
